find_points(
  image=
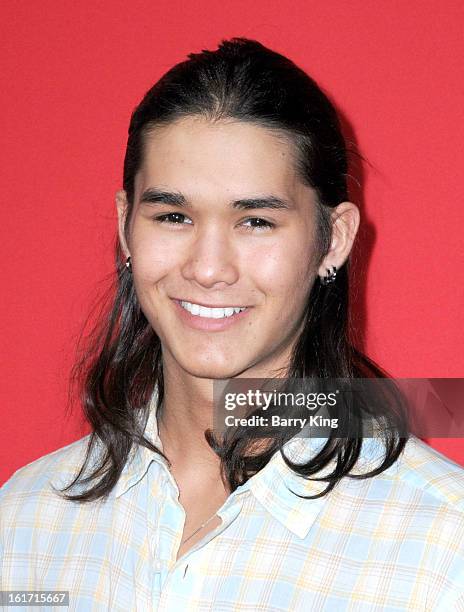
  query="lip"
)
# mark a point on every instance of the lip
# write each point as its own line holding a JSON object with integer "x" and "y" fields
{"x": 208, "y": 323}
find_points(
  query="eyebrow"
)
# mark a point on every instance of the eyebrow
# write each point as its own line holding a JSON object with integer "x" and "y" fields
{"x": 160, "y": 196}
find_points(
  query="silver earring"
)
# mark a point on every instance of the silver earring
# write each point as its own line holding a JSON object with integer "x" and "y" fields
{"x": 330, "y": 276}
{"x": 128, "y": 264}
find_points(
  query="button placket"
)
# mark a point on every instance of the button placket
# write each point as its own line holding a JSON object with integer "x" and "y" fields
{"x": 169, "y": 528}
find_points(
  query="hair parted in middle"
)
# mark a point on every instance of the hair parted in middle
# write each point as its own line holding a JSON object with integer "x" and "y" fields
{"x": 121, "y": 367}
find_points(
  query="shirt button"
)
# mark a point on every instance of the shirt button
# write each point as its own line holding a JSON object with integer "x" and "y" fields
{"x": 158, "y": 566}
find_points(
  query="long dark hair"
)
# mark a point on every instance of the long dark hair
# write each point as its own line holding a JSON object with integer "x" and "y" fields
{"x": 121, "y": 366}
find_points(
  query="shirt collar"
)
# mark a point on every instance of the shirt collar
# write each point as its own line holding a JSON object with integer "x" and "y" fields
{"x": 276, "y": 486}
{"x": 141, "y": 457}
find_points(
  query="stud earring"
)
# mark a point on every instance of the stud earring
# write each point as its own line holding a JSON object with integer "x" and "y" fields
{"x": 128, "y": 264}
{"x": 330, "y": 276}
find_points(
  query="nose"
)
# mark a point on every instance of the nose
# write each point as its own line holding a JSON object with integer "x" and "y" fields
{"x": 210, "y": 259}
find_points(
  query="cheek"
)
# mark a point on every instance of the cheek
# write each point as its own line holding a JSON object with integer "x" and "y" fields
{"x": 152, "y": 258}
{"x": 285, "y": 274}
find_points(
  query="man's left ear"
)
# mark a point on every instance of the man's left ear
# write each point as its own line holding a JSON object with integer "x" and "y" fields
{"x": 122, "y": 206}
{"x": 345, "y": 224}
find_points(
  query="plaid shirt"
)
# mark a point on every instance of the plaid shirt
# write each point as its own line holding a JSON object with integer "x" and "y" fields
{"x": 391, "y": 542}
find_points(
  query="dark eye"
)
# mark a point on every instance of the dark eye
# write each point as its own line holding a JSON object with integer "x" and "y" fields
{"x": 257, "y": 223}
{"x": 173, "y": 218}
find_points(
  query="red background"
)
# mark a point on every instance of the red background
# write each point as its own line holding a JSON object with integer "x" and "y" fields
{"x": 71, "y": 75}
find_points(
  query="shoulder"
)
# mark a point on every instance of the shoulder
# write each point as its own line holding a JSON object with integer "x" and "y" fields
{"x": 421, "y": 470}
{"x": 37, "y": 479}
{"x": 417, "y": 503}
{"x": 429, "y": 470}
{"x": 424, "y": 511}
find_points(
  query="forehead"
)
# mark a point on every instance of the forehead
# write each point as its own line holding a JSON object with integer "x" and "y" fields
{"x": 228, "y": 156}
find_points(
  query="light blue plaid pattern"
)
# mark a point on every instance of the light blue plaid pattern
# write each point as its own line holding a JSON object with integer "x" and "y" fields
{"x": 389, "y": 543}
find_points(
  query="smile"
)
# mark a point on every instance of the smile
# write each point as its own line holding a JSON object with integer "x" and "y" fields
{"x": 211, "y": 313}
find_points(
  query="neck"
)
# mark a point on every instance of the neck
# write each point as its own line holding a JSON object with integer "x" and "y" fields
{"x": 188, "y": 411}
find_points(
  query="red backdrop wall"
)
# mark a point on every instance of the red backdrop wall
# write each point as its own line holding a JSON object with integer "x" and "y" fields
{"x": 73, "y": 72}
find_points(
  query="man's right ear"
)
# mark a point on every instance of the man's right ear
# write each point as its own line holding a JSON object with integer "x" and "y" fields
{"x": 122, "y": 207}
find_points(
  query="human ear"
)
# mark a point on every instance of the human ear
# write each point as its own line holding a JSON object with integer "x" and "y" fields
{"x": 122, "y": 207}
{"x": 345, "y": 224}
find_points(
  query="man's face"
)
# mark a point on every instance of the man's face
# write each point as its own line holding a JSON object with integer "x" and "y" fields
{"x": 198, "y": 241}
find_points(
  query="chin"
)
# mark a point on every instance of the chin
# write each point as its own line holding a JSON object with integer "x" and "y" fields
{"x": 214, "y": 368}
{"x": 214, "y": 372}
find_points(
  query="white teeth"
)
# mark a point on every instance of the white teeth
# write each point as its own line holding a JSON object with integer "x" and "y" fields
{"x": 211, "y": 313}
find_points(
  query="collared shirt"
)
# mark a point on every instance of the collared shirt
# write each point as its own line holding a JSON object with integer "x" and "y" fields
{"x": 387, "y": 543}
